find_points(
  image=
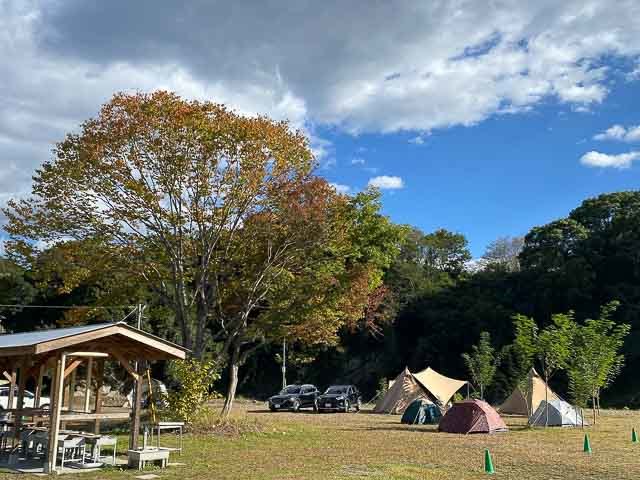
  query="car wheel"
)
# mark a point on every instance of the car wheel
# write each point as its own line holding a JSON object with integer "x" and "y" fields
{"x": 315, "y": 407}
{"x": 295, "y": 406}
{"x": 347, "y": 406}
{"x": 358, "y": 406}
{"x": 272, "y": 408}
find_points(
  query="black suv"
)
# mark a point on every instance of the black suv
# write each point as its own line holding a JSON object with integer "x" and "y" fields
{"x": 295, "y": 397}
{"x": 341, "y": 398}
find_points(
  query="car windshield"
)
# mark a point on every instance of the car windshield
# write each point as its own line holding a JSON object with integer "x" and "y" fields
{"x": 336, "y": 390}
{"x": 290, "y": 390}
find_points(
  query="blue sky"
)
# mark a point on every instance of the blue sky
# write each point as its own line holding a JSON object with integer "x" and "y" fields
{"x": 500, "y": 177}
{"x": 479, "y": 117}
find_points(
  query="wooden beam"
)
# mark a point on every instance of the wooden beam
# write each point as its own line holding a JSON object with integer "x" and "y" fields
{"x": 136, "y": 407}
{"x": 71, "y": 368}
{"x": 12, "y": 389}
{"x": 6, "y": 375}
{"x": 98, "y": 404}
{"x": 22, "y": 383}
{"x": 77, "y": 416}
{"x": 125, "y": 363}
{"x": 72, "y": 389}
{"x": 38, "y": 392}
{"x": 88, "y": 354}
{"x": 56, "y": 407}
{"x": 87, "y": 387}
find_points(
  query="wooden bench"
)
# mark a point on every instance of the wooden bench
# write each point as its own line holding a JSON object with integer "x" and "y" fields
{"x": 139, "y": 458}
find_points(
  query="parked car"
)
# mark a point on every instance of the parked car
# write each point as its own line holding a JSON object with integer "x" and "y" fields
{"x": 29, "y": 399}
{"x": 340, "y": 398}
{"x": 295, "y": 397}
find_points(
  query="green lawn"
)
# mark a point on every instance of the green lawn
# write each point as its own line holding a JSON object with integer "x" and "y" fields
{"x": 368, "y": 446}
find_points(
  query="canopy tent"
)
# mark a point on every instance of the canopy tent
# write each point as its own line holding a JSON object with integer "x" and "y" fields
{"x": 58, "y": 353}
{"x": 427, "y": 384}
{"x": 526, "y": 398}
{"x": 560, "y": 414}
{"x": 421, "y": 412}
{"x": 403, "y": 390}
{"x": 472, "y": 416}
{"x": 441, "y": 387}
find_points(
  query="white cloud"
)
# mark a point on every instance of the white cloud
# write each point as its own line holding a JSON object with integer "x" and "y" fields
{"x": 419, "y": 140}
{"x": 386, "y": 182}
{"x": 357, "y": 161}
{"x": 604, "y": 160}
{"x": 621, "y": 133}
{"x": 340, "y": 188}
{"x": 437, "y": 65}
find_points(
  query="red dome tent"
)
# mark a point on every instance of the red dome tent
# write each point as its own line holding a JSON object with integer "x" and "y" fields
{"x": 472, "y": 416}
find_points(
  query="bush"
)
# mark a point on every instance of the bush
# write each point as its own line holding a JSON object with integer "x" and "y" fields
{"x": 195, "y": 379}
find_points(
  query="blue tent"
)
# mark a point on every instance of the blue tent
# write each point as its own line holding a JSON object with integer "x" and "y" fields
{"x": 421, "y": 412}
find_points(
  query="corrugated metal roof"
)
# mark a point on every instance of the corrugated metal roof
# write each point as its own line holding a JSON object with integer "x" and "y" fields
{"x": 28, "y": 339}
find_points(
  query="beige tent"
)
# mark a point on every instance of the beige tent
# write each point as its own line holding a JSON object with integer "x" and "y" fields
{"x": 441, "y": 387}
{"x": 407, "y": 387}
{"x": 524, "y": 401}
{"x": 402, "y": 391}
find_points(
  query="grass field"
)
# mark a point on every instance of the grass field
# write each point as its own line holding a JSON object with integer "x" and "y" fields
{"x": 369, "y": 446}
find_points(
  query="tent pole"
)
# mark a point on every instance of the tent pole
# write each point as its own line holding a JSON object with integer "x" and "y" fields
{"x": 57, "y": 398}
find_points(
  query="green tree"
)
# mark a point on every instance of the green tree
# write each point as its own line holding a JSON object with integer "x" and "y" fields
{"x": 553, "y": 347}
{"x": 482, "y": 362}
{"x": 596, "y": 359}
{"x": 445, "y": 251}
{"x": 218, "y": 214}
{"x": 525, "y": 346}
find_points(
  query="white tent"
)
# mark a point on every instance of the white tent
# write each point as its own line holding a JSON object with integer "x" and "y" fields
{"x": 560, "y": 413}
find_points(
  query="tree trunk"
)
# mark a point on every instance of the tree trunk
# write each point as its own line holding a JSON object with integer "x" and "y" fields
{"x": 593, "y": 407}
{"x": 234, "y": 364}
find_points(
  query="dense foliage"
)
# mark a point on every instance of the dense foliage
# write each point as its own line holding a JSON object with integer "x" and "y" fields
{"x": 218, "y": 224}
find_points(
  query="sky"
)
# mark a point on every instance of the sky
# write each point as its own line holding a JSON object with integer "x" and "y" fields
{"x": 482, "y": 117}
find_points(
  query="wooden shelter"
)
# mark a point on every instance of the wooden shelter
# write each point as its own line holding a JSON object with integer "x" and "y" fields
{"x": 61, "y": 351}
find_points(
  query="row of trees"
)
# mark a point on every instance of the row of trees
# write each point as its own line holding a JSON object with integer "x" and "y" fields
{"x": 218, "y": 223}
{"x": 589, "y": 354}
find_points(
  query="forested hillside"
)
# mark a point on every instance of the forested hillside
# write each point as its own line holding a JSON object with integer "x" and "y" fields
{"x": 435, "y": 302}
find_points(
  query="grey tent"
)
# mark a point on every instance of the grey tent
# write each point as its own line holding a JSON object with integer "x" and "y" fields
{"x": 561, "y": 414}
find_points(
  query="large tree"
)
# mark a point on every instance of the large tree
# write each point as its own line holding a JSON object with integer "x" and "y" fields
{"x": 217, "y": 213}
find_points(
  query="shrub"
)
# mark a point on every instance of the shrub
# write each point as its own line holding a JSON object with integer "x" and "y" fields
{"x": 195, "y": 379}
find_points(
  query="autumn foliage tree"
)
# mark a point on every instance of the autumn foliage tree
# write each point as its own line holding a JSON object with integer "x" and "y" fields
{"x": 218, "y": 214}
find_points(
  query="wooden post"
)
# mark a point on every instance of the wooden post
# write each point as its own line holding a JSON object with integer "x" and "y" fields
{"x": 22, "y": 382}
{"x": 57, "y": 397}
{"x": 87, "y": 388}
{"x": 72, "y": 389}
{"x": 38, "y": 392}
{"x": 135, "y": 410}
{"x": 98, "y": 404}
{"x": 12, "y": 388}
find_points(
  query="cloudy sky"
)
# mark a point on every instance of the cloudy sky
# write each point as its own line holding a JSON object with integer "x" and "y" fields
{"x": 484, "y": 117}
